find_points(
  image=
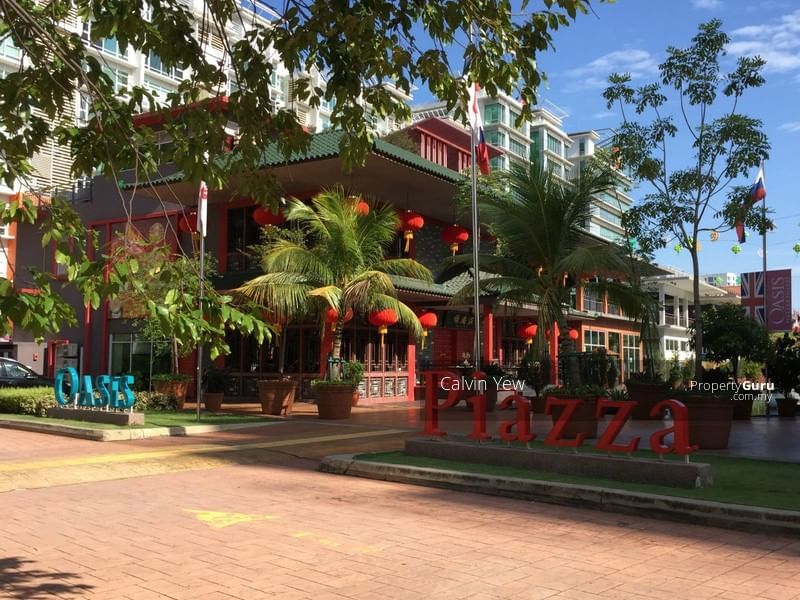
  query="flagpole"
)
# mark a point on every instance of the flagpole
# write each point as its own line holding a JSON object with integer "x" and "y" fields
{"x": 476, "y": 234}
{"x": 764, "y": 251}
{"x": 200, "y": 345}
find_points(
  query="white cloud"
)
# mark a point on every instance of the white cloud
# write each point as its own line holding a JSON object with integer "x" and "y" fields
{"x": 604, "y": 115}
{"x": 777, "y": 42}
{"x": 793, "y": 126}
{"x": 639, "y": 63}
{"x": 707, "y": 3}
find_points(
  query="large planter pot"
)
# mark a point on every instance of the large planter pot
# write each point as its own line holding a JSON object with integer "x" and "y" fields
{"x": 787, "y": 407}
{"x": 646, "y": 396}
{"x": 213, "y": 401}
{"x": 175, "y": 388}
{"x": 276, "y": 395}
{"x": 583, "y": 419}
{"x": 335, "y": 401}
{"x": 710, "y": 421}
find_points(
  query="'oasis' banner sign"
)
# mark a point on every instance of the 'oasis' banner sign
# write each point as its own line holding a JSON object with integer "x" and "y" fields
{"x": 519, "y": 428}
{"x": 111, "y": 391}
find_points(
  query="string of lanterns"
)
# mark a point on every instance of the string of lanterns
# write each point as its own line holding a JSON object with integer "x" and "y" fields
{"x": 332, "y": 316}
{"x": 428, "y": 320}
{"x": 383, "y": 319}
{"x": 455, "y": 236}
{"x": 409, "y": 223}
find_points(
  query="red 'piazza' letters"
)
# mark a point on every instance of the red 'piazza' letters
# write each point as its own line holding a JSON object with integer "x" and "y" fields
{"x": 522, "y": 421}
{"x": 624, "y": 410}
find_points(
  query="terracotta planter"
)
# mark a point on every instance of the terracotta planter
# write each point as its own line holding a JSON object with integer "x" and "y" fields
{"x": 583, "y": 419}
{"x": 710, "y": 421}
{"x": 276, "y": 395}
{"x": 213, "y": 401}
{"x": 335, "y": 401}
{"x": 646, "y": 396}
{"x": 173, "y": 388}
{"x": 787, "y": 407}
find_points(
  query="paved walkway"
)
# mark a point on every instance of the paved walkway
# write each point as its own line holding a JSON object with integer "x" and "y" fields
{"x": 285, "y": 531}
{"x": 244, "y": 515}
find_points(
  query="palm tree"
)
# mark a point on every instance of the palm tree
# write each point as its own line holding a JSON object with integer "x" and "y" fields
{"x": 542, "y": 245}
{"x": 341, "y": 264}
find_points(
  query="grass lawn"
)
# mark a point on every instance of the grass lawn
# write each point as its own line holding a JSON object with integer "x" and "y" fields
{"x": 736, "y": 480}
{"x": 152, "y": 419}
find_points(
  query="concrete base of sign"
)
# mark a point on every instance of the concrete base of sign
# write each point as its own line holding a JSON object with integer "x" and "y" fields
{"x": 96, "y": 416}
{"x": 669, "y": 473}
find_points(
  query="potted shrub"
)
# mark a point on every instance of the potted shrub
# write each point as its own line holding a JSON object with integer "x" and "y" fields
{"x": 584, "y": 419}
{"x": 646, "y": 390}
{"x": 336, "y": 397}
{"x": 784, "y": 371}
{"x": 213, "y": 389}
{"x": 172, "y": 384}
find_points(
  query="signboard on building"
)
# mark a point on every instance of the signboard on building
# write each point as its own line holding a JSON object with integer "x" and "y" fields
{"x": 778, "y": 286}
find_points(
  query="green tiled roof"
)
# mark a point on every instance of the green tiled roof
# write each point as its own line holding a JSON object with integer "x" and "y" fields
{"x": 326, "y": 145}
{"x": 409, "y": 284}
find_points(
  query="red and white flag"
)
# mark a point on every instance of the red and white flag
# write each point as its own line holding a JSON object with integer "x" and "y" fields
{"x": 202, "y": 209}
{"x": 476, "y": 124}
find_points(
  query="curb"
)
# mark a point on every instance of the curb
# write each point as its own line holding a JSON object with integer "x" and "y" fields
{"x": 123, "y": 435}
{"x": 698, "y": 512}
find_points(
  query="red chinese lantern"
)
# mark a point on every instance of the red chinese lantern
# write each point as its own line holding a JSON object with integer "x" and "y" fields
{"x": 527, "y": 331}
{"x": 455, "y": 235}
{"x": 428, "y": 320}
{"x": 409, "y": 223}
{"x": 383, "y": 319}
{"x": 362, "y": 208}
{"x": 188, "y": 222}
{"x": 332, "y": 316}
{"x": 263, "y": 217}
{"x": 573, "y": 334}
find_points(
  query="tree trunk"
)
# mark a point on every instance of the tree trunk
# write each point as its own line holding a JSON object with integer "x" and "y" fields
{"x": 282, "y": 349}
{"x": 174, "y": 356}
{"x": 335, "y": 371}
{"x": 735, "y": 365}
{"x": 698, "y": 318}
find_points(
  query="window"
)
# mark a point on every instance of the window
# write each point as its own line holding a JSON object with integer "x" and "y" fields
{"x": 323, "y": 123}
{"x": 8, "y": 49}
{"x": 517, "y": 147}
{"x": 159, "y": 91}
{"x": 496, "y": 138}
{"x": 243, "y": 232}
{"x": 277, "y": 84}
{"x": 84, "y": 109}
{"x": 155, "y": 64}
{"x": 671, "y": 344}
{"x": 498, "y": 163}
{"x": 607, "y": 215}
{"x": 494, "y": 113}
{"x": 131, "y": 354}
{"x": 119, "y": 78}
{"x": 107, "y": 45}
{"x": 557, "y": 169}
{"x": 592, "y": 300}
{"x": 554, "y": 144}
{"x": 630, "y": 354}
{"x": 15, "y": 370}
{"x": 593, "y": 339}
{"x": 582, "y": 148}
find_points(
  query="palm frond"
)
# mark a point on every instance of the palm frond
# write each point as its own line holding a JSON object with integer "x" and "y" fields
{"x": 406, "y": 267}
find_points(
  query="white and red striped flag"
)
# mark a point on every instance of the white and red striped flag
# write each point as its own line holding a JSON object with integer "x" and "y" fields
{"x": 476, "y": 123}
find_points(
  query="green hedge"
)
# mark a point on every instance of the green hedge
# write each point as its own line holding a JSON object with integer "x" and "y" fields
{"x": 155, "y": 401}
{"x": 27, "y": 401}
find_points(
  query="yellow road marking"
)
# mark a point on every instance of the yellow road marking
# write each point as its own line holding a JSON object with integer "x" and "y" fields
{"x": 101, "y": 459}
{"x": 220, "y": 520}
{"x": 301, "y": 534}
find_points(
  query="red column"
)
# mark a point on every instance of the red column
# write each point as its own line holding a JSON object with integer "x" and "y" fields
{"x": 488, "y": 328}
{"x": 500, "y": 342}
{"x": 553, "y": 346}
{"x": 411, "y": 354}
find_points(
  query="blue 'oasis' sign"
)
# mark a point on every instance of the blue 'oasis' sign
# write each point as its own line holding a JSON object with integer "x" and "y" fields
{"x": 112, "y": 391}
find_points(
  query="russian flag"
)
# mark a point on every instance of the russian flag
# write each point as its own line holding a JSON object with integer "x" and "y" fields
{"x": 476, "y": 123}
{"x": 758, "y": 191}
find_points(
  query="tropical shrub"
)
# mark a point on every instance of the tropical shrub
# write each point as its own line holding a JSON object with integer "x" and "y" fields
{"x": 27, "y": 401}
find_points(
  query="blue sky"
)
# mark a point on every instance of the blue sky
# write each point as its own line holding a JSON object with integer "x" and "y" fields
{"x": 632, "y": 35}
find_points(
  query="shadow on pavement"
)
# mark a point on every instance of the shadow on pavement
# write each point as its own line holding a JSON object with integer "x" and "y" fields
{"x": 20, "y": 579}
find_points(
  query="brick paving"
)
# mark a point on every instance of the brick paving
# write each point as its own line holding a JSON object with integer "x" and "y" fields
{"x": 244, "y": 515}
{"x": 285, "y": 531}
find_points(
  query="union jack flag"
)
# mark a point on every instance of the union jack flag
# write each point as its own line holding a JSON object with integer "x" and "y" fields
{"x": 753, "y": 296}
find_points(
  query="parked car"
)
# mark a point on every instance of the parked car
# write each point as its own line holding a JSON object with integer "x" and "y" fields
{"x": 15, "y": 374}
